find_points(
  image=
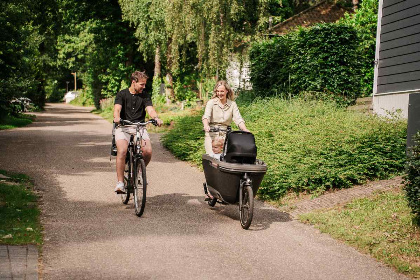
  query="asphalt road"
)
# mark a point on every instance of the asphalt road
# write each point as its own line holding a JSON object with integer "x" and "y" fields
{"x": 90, "y": 234}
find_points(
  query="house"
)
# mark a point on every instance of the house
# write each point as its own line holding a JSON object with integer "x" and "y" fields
{"x": 71, "y": 95}
{"x": 397, "y": 61}
{"x": 324, "y": 11}
{"x": 396, "y": 87}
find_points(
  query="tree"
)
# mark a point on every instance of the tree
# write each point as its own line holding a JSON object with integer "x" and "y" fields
{"x": 148, "y": 19}
{"x": 27, "y": 29}
{"x": 97, "y": 44}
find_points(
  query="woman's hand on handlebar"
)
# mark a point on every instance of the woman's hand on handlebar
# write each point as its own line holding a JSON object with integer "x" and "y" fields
{"x": 206, "y": 128}
{"x": 117, "y": 120}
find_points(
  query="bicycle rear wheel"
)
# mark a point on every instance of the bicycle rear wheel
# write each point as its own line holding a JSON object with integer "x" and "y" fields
{"x": 125, "y": 197}
{"x": 140, "y": 186}
{"x": 246, "y": 206}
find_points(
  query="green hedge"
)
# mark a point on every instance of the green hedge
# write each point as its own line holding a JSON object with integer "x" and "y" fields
{"x": 412, "y": 179}
{"x": 186, "y": 139}
{"x": 308, "y": 145}
{"x": 365, "y": 22}
{"x": 321, "y": 59}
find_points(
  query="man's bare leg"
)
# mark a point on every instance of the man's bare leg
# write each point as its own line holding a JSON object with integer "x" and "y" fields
{"x": 147, "y": 151}
{"x": 122, "y": 146}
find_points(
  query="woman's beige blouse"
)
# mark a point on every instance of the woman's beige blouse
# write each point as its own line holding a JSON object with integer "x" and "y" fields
{"x": 217, "y": 114}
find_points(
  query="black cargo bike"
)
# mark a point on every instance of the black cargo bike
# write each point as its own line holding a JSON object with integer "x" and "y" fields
{"x": 236, "y": 177}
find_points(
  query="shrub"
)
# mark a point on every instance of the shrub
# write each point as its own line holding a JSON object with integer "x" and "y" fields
{"x": 186, "y": 139}
{"x": 365, "y": 21}
{"x": 270, "y": 67}
{"x": 83, "y": 99}
{"x": 322, "y": 59}
{"x": 412, "y": 179}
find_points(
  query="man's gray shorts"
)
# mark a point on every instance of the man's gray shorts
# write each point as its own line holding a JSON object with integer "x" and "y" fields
{"x": 123, "y": 133}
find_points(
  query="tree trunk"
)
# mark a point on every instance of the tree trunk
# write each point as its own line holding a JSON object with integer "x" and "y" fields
{"x": 170, "y": 93}
{"x": 157, "y": 62}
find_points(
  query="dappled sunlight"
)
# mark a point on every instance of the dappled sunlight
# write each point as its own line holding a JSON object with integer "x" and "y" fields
{"x": 99, "y": 159}
{"x": 91, "y": 144}
{"x": 90, "y": 188}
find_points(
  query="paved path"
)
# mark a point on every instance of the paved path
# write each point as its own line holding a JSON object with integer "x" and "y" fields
{"x": 90, "y": 234}
{"x": 19, "y": 262}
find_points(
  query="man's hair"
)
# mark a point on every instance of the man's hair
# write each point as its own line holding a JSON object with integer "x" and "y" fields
{"x": 137, "y": 76}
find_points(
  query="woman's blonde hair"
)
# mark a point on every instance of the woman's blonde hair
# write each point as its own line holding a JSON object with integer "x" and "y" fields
{"x": 230, "y": 94}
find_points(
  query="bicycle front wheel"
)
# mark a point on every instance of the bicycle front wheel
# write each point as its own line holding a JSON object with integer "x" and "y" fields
{"x": 140, "y": 186}
{"x": 246, "y": 207}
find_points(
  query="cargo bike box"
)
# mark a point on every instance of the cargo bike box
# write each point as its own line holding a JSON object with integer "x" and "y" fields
{"x": 236, "y": 177}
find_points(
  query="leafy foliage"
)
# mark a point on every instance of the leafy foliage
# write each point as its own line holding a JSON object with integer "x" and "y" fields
{"x": 27, "y": 48}
{"x": 329, "y": 59}
{"x": 365, "y": 22}
{"x": 412, "y": 178}
{"x": 320, "y": 59}
{"x": 308, "y": 145}
{"x": 95, "y": 43}
{"x": 186, "y": 139}
{"x": 199, "y": 36}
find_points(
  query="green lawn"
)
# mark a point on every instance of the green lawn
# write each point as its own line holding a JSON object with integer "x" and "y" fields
{"x": 20, "y": 215}
{"x": 381, "y": 225}
{"x": 9, "y": 122}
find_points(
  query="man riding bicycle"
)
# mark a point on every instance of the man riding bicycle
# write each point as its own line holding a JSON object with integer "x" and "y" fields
{"x": 132, "y": 104}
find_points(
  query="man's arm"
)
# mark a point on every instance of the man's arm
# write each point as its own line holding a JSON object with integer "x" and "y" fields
{"x": 117, "y": 113}
{"x": 152, "y": 113}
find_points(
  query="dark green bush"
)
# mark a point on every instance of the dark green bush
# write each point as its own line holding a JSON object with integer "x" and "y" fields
{"x": 270, "y": 67}
{"x": 412, "y": 179}
{"x": 321, "y": 59}
{"x": 186, "y": 139}
{"x": 365, "y": 22}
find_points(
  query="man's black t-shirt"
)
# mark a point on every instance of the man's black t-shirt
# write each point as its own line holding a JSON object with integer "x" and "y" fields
{"x": 133, "y": 105}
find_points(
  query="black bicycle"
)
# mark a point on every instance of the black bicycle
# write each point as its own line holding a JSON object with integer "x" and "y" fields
{"x": 135, "y": 180}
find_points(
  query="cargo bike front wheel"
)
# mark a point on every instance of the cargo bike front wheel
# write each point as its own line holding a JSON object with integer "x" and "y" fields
{"x": 246, "y": 203}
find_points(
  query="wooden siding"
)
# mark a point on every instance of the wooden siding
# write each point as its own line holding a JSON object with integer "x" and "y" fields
{"x": 399, "y": 51}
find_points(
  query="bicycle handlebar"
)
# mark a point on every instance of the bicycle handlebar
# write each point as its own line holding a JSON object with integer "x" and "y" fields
{"x": 125, "y": 122}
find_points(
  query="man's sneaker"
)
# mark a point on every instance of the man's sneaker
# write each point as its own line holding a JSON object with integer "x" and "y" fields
{"x": 120, "y": 189}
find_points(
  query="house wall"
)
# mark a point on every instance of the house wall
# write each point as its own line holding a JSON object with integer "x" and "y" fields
{"x": 397, "y": 71}
{"x": 238, "y": 75}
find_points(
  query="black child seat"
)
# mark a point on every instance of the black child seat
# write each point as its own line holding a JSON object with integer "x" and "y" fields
{"x": 240, "y": 148}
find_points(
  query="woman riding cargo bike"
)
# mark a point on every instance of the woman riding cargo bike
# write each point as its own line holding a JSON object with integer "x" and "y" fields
{"x": 235, "y": 174}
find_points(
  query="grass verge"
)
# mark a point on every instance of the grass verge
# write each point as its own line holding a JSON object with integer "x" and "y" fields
{"x": 9, "y": 122}
{"x": 20, "y": 215}
{"x": 381, "y": 225}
